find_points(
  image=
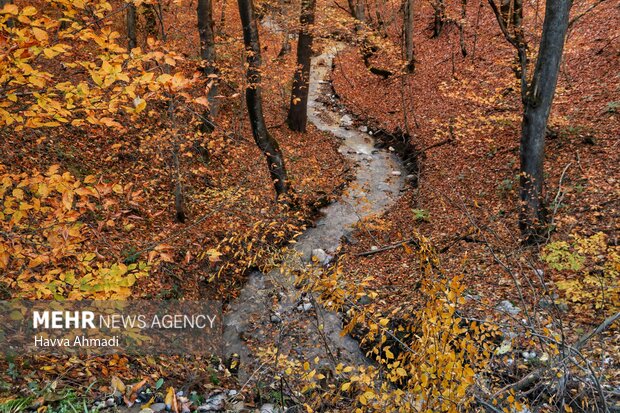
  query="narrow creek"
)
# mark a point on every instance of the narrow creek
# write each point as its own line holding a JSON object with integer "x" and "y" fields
{"x": 269, "y": 309}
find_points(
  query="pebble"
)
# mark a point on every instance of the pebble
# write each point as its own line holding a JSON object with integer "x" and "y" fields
{"x": 158, "y": 407}
{"x": 508, "y": 307}
{"x": 213, "y": 403}
{"x": 364, "y": 129}
{"x": 374, "y": 248}
{"x": 319, "y": 255}
{"x": 346, "y": 121}
{"x": 396, "y": 173}
{"x": 391, "y": 149}
{"x": 275, "y": 318}
{"x": 304, "y": 307}
{"x": 110, "y": 402}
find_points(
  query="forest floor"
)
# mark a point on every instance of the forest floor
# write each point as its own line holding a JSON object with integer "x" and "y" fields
{"x": 463, "y": 115}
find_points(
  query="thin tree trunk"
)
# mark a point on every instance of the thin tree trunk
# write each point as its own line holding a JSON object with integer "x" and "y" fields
{"x": 132, "y": 18}
{"x": 298, "y": 110}
{"x": 150, "y": 16}
{"x": 409, "y": 47}
{"x": 267, "y": 144}
{"x": 462, "y": 27}
{"x": 439, "y": 17}
{"x": 207, "y": 35}
{"x": 206, "y": 32}
{"x": 537, "y": 105}
{"x": 220, "y": 30}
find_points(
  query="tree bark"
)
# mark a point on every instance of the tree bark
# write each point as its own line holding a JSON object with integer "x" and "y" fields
{"x": 409, "y": 47}
{"x": 267, "y": 144}
{"x": 298, "y": 110}
{"x": 206, "y": 31}
{"x": 132, "y": 18}
{"x": 439, "y": 17}
{"x": 537, "y": 105}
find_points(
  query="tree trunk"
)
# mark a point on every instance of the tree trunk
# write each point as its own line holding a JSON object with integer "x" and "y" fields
{"x": 132, "y": 18}
{"x": 439, "y": 17}
{"x": 298, "y": 110}
{"x": 220, "y": 30}
{"x": 537, "y": 105}
{"x": 357, "y": 11}
{"x": 150, "y": 16}
{"x": 409, "y": 49}
{"x": 206, "y": 31}
{"x": 267, "y": 144}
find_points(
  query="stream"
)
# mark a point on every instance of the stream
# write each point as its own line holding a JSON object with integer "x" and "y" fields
{"x": 269, "y": 309}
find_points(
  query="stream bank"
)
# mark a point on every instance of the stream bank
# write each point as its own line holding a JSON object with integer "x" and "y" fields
{"x": 269, "y": 308}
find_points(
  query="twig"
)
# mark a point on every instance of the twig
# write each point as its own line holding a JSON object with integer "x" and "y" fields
{"x": 413, "y": 241}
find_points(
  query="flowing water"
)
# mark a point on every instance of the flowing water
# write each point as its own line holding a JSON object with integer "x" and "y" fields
{"x": 269, "y": 309}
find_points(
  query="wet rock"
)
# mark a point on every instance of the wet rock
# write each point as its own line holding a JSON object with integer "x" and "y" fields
{"x": 213, "y": 403}
{"x": 320, "y": 256}
{"x": 508, "y": 307}
{"x": 346, "y": 121}
{"x": 304, "y": 307}
{"x": 270, "y": 408}
{"x": 158, "y": 407}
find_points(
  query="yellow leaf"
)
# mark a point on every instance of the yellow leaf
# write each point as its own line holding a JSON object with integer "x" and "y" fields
{"x": 10, "y": 9}
{"x": 28, "y": 11}
{"x": 117, "y": 384}
{"x": 41, "y": 35}
{"x": 345, "y": 386}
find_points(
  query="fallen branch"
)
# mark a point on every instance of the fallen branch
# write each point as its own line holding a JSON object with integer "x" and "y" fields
{"x": 413, "y": 241}
{"x": 602, "y": 327}
{"x": 435, "y": 145}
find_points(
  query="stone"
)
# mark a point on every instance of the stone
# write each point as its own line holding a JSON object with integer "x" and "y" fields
{"x": 374, "y": 248}
{"x": 346, "y": 121}
{"x": 213, "y": 403}
{"x": 391, "y": 149}
{"x": 276, "y": 319}
{"x": 320, "y": 256}
{"x": 110, "y": 402}
{"x": 508, "y": 307}
{"x": 304, "y": 307}
{"x": 396, "y": 173}
{"x": 158, "y": 407}
{"x": 363, "y": 128}
{"x": 270, "y": 408}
